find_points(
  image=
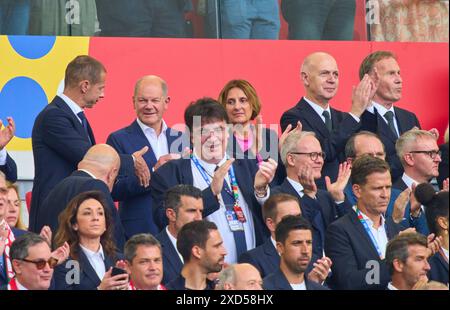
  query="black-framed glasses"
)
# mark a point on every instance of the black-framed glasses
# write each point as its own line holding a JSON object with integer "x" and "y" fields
{"x": 40, "y": 263}
{"x": 313, "y": 155}
{"x": 432, "y": 154}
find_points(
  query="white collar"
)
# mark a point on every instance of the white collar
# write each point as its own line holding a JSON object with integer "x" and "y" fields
{"x": 391, "y": 287}
{"x": 210, "y": 168}
{"x": 445, "y": 252}
{"x": 20, "y": 287}
{"x": 408, "y": 180}
{"x": 72, "y": 105}
{"x": 381, "y": 109}
{"x": 319, "y": 110}
{"x": 147, "y": 128}
{"x": 274, "y": 244}
{"x": 297, "y": 186}
{"x": 90, "y": 253}
{"x": 174, "y": 242}
{"x": 369, "y": 221}
{"x": 88, "y": 172}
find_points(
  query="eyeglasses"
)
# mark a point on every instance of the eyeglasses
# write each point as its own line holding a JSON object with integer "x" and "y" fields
{"x": 432, "y": 154}
{"x": 206, "y": 132}
{"x": 40, "y": 264}
{"x": 313, "y": 155}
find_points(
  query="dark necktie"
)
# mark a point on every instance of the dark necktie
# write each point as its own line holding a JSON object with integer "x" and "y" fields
{"x": 327, "y": 117}
{"x": 239, "y": 236}
{"x": 389, "y": 116}
{"x": 84, "y": 123}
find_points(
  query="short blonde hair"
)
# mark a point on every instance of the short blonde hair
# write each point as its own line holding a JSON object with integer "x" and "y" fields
{"x": 20, "y": 222}
{"x": 403, "y": 144}
{"x": 290, "y": 144}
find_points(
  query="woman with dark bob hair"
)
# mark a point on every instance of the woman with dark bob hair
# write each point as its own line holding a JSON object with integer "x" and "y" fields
{"x": 86, "y": 225}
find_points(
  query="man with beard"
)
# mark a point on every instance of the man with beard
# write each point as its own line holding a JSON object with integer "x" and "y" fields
{"x": 294, "y": 243}
{"x": 203, "y": 252}
{"x": 407, "y": 260}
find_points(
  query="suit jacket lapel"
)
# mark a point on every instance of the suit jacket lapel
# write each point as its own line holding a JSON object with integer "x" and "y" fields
{"x": 383, "y": 128}
{"x": 270, "y": 251}
{"x": 86, "y": 267}
{"x": 140, "y": 139}
{"x": 186, "y": 171}
{"x": 362, "y": 232}
{"x": 60, "y": 103}
{"x": 170, "y": 253}
{"x": 316, "y": 120}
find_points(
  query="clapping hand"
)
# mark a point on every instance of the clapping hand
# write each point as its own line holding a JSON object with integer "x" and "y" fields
{"x": 141, "y": 168}
{"x": 336, "y": 189}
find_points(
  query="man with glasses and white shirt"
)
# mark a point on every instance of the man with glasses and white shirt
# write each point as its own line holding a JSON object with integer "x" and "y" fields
{"x": 233, "y": 190}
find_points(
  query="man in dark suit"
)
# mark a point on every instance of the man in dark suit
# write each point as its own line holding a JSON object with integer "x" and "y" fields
{"x": 294, "y": 243}
{"x": 150, "y": 102}
{"x": 382, "y": 117}
{"x": 407, "y": 260}
{"x": 368, "y": 143}
{"x": 183, "y": 204}
{"x": 150, "y": 18}
{"x": 233, "y": 190}
{"x": 303, "y": 158}
{"x": 203, "y": 252}
{"x": 97, "y": 171}
{"x": 320, "y": 76}
{"x": 356, "y": 243}
{"x": 62, "y": 135}
{"x": 7, "y": 164}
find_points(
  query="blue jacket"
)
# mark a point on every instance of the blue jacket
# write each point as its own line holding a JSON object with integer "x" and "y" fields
{"x": 172, "y": 263}
{"x": 9, "y": 169}
{"x": 135, "y": 207}
{"x": 278, "y": 282}
{"x": 439, "y": 268}
{"x": 265, "y": 258}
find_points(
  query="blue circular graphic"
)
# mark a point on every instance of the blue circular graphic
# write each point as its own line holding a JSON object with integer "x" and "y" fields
{"x": 22, "y": 98}
{"x": 32, "y": 47}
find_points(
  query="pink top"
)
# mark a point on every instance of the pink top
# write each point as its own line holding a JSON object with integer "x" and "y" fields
{"x": 246, "y": 144}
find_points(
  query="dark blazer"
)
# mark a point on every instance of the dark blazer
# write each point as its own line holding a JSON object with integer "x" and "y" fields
{"x": 265, "y": 258}
{"x": 172, "y": 263}
{"x": 278, "y": 282}
{"x": 443, "y": 165}
{"x": 333, "y": 144}
{"x": 17, "y": 233}
{"x": 179, "y": 284}
{"x": 179, "y": 172}
{"x": 323, "y": 204}
{"x": 9, "y": 169}
{"x": 420, "y": 224}
{"x": 88, "y": 277}
{"x": 59, "y": 144}
{"x": 135, "y": 207}
{"x": 57, "y": 200}
{"x": 350, "y": 249}
{"x": 439, "y": 268}
{"x": 269, "y": 150}
{"x": 375, "y": 123}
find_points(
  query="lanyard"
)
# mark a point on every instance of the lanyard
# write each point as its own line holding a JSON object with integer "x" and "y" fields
{"x": 206, "y": 177}
{"x": 369, "y": 232}
{"x": 12, "y": 286}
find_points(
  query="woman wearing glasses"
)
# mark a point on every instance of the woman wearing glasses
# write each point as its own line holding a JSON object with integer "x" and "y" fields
{"x": 248, "y": 140}
{"x": 86, "y": 225}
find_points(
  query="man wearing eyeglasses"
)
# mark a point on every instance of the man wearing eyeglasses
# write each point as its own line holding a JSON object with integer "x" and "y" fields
{"x": 233, "y": 190}
{"x": 303, "y": 158}
{"x": 32, "y": 262}
{"x": 368, "y": 143}
{"x": 151, "y": 100}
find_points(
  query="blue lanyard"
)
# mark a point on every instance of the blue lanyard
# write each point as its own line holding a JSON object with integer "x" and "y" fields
{"x": 206, "y": 176}
{"x": 369, "y": 232}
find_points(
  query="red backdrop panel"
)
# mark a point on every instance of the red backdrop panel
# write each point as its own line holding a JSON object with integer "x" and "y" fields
{"x": 196, "y": 68}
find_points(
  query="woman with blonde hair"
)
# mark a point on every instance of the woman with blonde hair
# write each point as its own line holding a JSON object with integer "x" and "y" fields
{"x": 14, "y": 214}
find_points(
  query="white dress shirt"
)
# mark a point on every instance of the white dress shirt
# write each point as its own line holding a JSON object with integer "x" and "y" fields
{"x": 299, "y": 287}
{"x": 159, "y": 143}
{"x": 174, "y": 243}
{"x": 297, "y": 186}
{"x": 319, "y": 110}
{"x": 391, "y": 287}
{"x": 379, "y": 234}
{"x": 20, "y": 287}
{"x": 219, "y": 218}
{"x": 72, "y": 105}
{"x": 3, "y": 155}
{"x": 445, "y": 252}
{"x": 96, "y": 259}
{"x": 382, "y": 110}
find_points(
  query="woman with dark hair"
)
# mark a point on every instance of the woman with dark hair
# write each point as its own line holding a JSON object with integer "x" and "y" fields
{"x": 86, "y": 225}
{"x": 436, "y": 212}
{"x": 248, "y": 140}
